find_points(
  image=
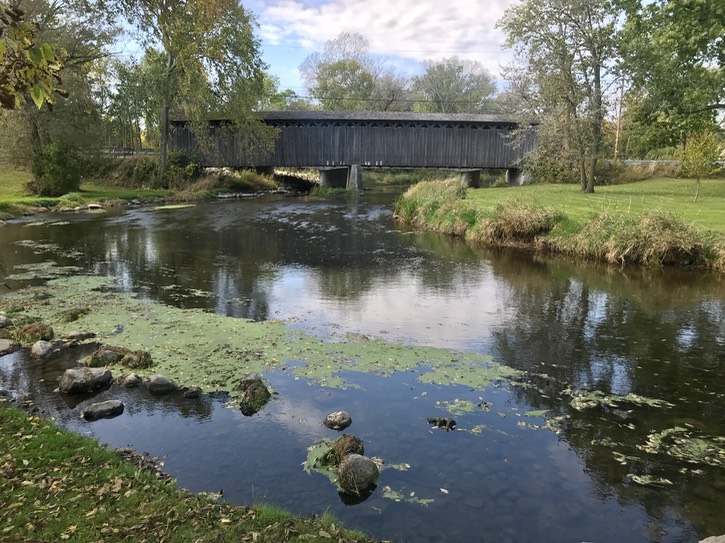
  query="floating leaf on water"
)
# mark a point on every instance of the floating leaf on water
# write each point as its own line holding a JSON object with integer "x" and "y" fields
{"x": 648, "y": 480}
{"x": 588, "y": 399}
{"x": 537, "y": 413}
{"x": 396, "y": 496}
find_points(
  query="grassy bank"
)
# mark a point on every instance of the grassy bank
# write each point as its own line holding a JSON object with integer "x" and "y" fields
{"x": 59, "y": 486}
{"x": 120, "y": 184}
{"x": 653, "y": 222}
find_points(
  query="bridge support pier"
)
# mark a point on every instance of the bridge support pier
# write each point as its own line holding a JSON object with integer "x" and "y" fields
{"x": 265, "y": 170}
{"x": 354, "y": 178}
{"x": 334, "y": 177}
{"x": 514, "y": 177}
{"x": 470, "y": 178}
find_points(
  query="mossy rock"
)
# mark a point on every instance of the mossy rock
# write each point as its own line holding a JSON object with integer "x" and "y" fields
{"x": 357, "y": 474}
{"x": 30, "y": 333}
{"x": 74, "y": 314}
{"x": 105, "y": 356}
{"x": 255, "y": 398}
{"x": 137, "y": 360}
{"x": 344, "y": 445}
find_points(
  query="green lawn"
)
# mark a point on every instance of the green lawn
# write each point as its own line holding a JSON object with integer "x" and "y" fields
{"x": 667, "y": 194}
{"x": 14, "y": 200}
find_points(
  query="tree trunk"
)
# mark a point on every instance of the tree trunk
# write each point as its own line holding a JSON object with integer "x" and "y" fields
{"x": 164, "y": 136}
{"x": 583, "y": 174}
{"x": 596, "y": 125}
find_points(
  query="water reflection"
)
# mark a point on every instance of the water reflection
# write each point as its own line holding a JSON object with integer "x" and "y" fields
{"x": 334, "y": 268}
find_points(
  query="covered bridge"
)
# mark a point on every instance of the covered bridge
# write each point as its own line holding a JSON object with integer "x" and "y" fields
{"x": 340, "y": 142}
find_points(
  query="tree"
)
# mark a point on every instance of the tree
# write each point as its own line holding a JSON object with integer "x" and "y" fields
{"x": 26, "y": 66}
{"x": 212, "y": 62}
{"x": 699, "y": 155}
{"x": 674, "y": 54}
{"x": 346, "y": 76}
{"x": 453, "y": 85}
{"x": 81, "y": 30}
{"x": 275, "y": 99}
{"x": 565, "y": 49}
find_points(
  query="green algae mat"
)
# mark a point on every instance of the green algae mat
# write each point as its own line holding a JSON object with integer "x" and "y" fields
{"x": 197, "y": 348}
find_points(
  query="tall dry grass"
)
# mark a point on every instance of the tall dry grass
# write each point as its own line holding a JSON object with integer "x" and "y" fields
{"x": 651, "y": 238}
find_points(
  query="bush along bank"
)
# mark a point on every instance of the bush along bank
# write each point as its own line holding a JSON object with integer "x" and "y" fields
{"x": 59, "y": 486}
{"x": 651, "y": 238}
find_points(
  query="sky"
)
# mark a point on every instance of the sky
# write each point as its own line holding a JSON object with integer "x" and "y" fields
{"x": 404, "y": 33}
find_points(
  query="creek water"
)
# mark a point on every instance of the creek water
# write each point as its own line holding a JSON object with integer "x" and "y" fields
{"x": 337, "y": 268}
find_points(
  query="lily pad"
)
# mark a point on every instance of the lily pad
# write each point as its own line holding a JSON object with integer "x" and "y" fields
{"x": 686, "y": 445}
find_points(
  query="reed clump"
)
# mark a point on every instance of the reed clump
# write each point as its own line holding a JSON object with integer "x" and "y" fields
{"x": 650, "y": 238}
{"x": 515, "y": 223}
{"x": 439, "y": 205}
{"x": 655, "y": 238}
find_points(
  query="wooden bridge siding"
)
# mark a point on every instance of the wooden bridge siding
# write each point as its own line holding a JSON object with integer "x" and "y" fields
{"x": 409, "y": 145}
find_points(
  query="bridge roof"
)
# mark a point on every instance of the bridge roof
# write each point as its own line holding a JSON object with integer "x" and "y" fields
{"x": 376, "y": 116}
{"x": 384, "y": 116}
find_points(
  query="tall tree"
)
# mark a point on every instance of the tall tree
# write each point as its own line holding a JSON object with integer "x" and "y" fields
{"x": 453, "y": 85}
{"x": 347, "y": 76}
{"x": 212, "y": 61}
{"x": 565, "y": 50}
{"x": 674, "y": 54}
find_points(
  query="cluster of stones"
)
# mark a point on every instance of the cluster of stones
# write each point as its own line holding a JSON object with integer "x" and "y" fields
{"x": 94, "y": 374}
{"x": 357, "y": 474}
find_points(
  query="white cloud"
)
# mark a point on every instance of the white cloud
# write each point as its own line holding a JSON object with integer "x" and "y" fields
{"x": 414, "y": 30}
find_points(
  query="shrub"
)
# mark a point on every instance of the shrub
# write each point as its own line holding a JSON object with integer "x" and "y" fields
{"x": 57, "y": 169}
{"x": 145, "y": 171}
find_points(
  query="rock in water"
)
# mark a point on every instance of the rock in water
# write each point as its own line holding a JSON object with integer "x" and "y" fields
{"x": 343, "y": 446}
{"x": 79, "y": 380}
{"x": 103, "y": 410}
{"x": 8, "y": 346}
{"x": 160, "y": 384}
{"x": 357, "y": 474}
{"x": 131, "y": 380}
{"x": 255, "y": 398}
{"x": 339, "y": 420}
{"x": 41, "y": 349}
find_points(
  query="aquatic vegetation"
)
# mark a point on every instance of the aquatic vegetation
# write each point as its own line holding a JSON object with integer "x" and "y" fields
{"x": 686, "y": 445}
{"x": 196, "y": 348}
{"x": 399, "y": 496}
{"x": 42, "y": 270}
{"x": 589, "y": 399}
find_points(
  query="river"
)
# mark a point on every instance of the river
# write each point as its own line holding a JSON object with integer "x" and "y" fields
{"x": 641, "y": 462}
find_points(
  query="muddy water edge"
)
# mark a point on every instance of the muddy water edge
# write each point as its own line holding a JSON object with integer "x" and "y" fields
{"x": 589, "y": 402}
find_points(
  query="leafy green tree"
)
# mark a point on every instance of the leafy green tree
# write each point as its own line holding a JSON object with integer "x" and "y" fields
{"x": 674, "y": 54}
{"x": 26, "y": 66}
{"x": 280, "y": 100}
{"x": 698, "y": 157}
{"x": 211, "y": 63}
{"x": 565, "y": 49}
{"x": 345, "y": 76}
{"x": 453, "y": 85}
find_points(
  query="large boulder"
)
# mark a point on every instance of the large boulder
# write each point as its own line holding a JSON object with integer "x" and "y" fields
{"x": 80, "y": 380}
{"x": 160, "y": 384}
{"x": 357, "y": 474}
{"x": 714, "y": 539}
{"x": 41, "y": 349}
{"x": 339, "y": 420}
{"x": 255, "y": 397}
{"x": 8, "y": 346}
{"x": 103, "y": 410}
